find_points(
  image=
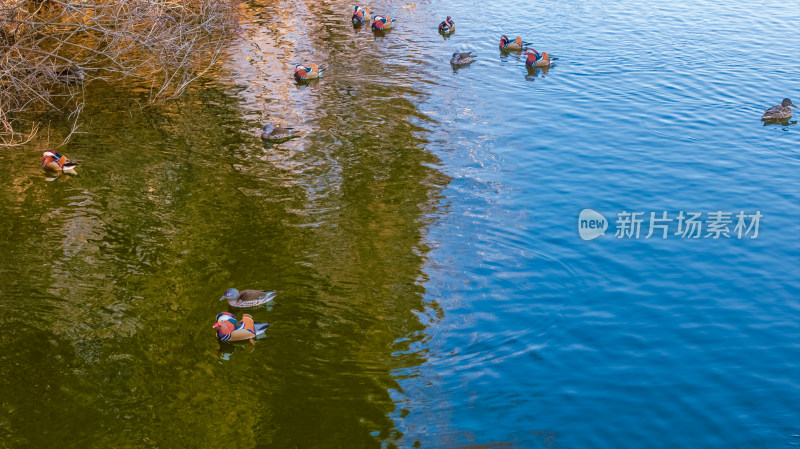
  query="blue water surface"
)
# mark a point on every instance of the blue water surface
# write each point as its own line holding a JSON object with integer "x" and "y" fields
{"x": 423, "y": 232}
{"x": 546, "y": 340}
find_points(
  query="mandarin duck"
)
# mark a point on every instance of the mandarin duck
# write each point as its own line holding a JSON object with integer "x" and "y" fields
{"x": 382, "y": 23}
{"x": 247, "y": 298}
{"x": 229, "y": 330}
{"x": 536, "y": 59}
{"x": 780, "y": 112}
{"x": 460, "y": 59}
{"x": 277, "y": 133}
{"x": 507, "y": 44}
{"x": 54, "y": 161}
{"x": 448, "y": 26}
{"x": 311, "y": 72}
{"x": 360, "y": 15}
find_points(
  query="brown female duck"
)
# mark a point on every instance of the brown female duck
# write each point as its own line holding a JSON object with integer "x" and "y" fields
{"x": 460, "y": 59}
{"x": 277, "y": 132}
{"x": 247, "y": 298}
{"x": 780, "y": 112}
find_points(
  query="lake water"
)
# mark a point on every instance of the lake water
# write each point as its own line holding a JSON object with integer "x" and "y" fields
{"x": 423, "y": 232}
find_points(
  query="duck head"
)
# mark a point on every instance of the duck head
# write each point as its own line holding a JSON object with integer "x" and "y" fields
{"x": 787, "y": 102}
{"x": 224, "y": 330}
{"x": 358, "y": 14}
{"x": 225, "y": 317}
{"x": 226, "y": 324}
{"x": 532, "y": 56}
{"x": 49, "y": 154}
{"x": 232, "y": 293}
{"x": 504, "y": 40}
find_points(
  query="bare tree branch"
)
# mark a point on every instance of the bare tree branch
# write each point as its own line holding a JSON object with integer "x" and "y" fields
{"x": 50, "y": 48}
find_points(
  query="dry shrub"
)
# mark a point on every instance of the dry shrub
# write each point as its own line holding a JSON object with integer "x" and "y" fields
{"x": 50, "y": 49}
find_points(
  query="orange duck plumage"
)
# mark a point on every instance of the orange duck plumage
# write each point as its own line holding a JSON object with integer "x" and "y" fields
{"x": 229, "y": 330}
{"x": 448, "y": 26}
{"x": 382, "y": 23}
{"x": 54, "y": 161}
{"x": 309, "y": 72}
{"x": 536, "y": 59}
{"x": 507, "y": 44}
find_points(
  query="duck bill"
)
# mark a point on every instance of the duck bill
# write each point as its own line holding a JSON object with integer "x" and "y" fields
{"x": 215, "y": 326}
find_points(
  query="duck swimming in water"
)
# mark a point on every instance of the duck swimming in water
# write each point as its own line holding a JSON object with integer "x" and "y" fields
{"x": 277, "y": 133}
{"x": 54, "y": 161}
{"x": 71, "y": 75}
{"x": 247, "y": 298}
{"x": 507, "y": 44}
{"x": 448, "y": 26}
{"x": 360, "y": 15}
{"x": 382, "y": 23}
{"x": 460, "y": 59}
{"x": 303, "y": 73}
{"x": 536, "y": 59}
{"x": 780, "y": 112}
{"x": 229, "y": 330}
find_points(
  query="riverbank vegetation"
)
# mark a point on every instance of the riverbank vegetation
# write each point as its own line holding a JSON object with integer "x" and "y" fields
{"x": 51, "y": 51}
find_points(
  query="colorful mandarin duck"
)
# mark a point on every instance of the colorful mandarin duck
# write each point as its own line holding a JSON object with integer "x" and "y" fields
{"x": 509, "y": 45}
{"x": 535, "y": 59}
{"x": 54, "y": 161}
{"x": 228, "y": 330}
{"x": 382, "y": 23}
{"x": 360, "y": 15}
{"x": 460, "y": 59}
{"x": 780, "y": 112}
{"x": 247, "y": 298}
{"x": 448, "y": 26}
{"x": 311, "y": 72}
{"x": 276, "y": 133}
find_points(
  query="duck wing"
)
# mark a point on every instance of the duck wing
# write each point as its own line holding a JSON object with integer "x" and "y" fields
{"x": 282, "y": 132}
{"x": 261, "y": 328}
{"x": 252, "y": 328}
{"x": 778, "y": 112}
{"x": 252, "y": 298}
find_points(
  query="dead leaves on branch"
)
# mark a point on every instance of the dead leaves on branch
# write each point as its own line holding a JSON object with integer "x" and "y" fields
{"x": 49, "y": 49}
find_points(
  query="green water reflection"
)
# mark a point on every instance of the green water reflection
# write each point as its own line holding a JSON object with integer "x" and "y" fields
{"x": 109, "y": 279}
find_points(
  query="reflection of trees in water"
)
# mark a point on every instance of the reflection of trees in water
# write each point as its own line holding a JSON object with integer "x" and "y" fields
{"x": 359, "y": 228}
{"x": 173, "y": 205}
{"x": 111, "y": 267}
